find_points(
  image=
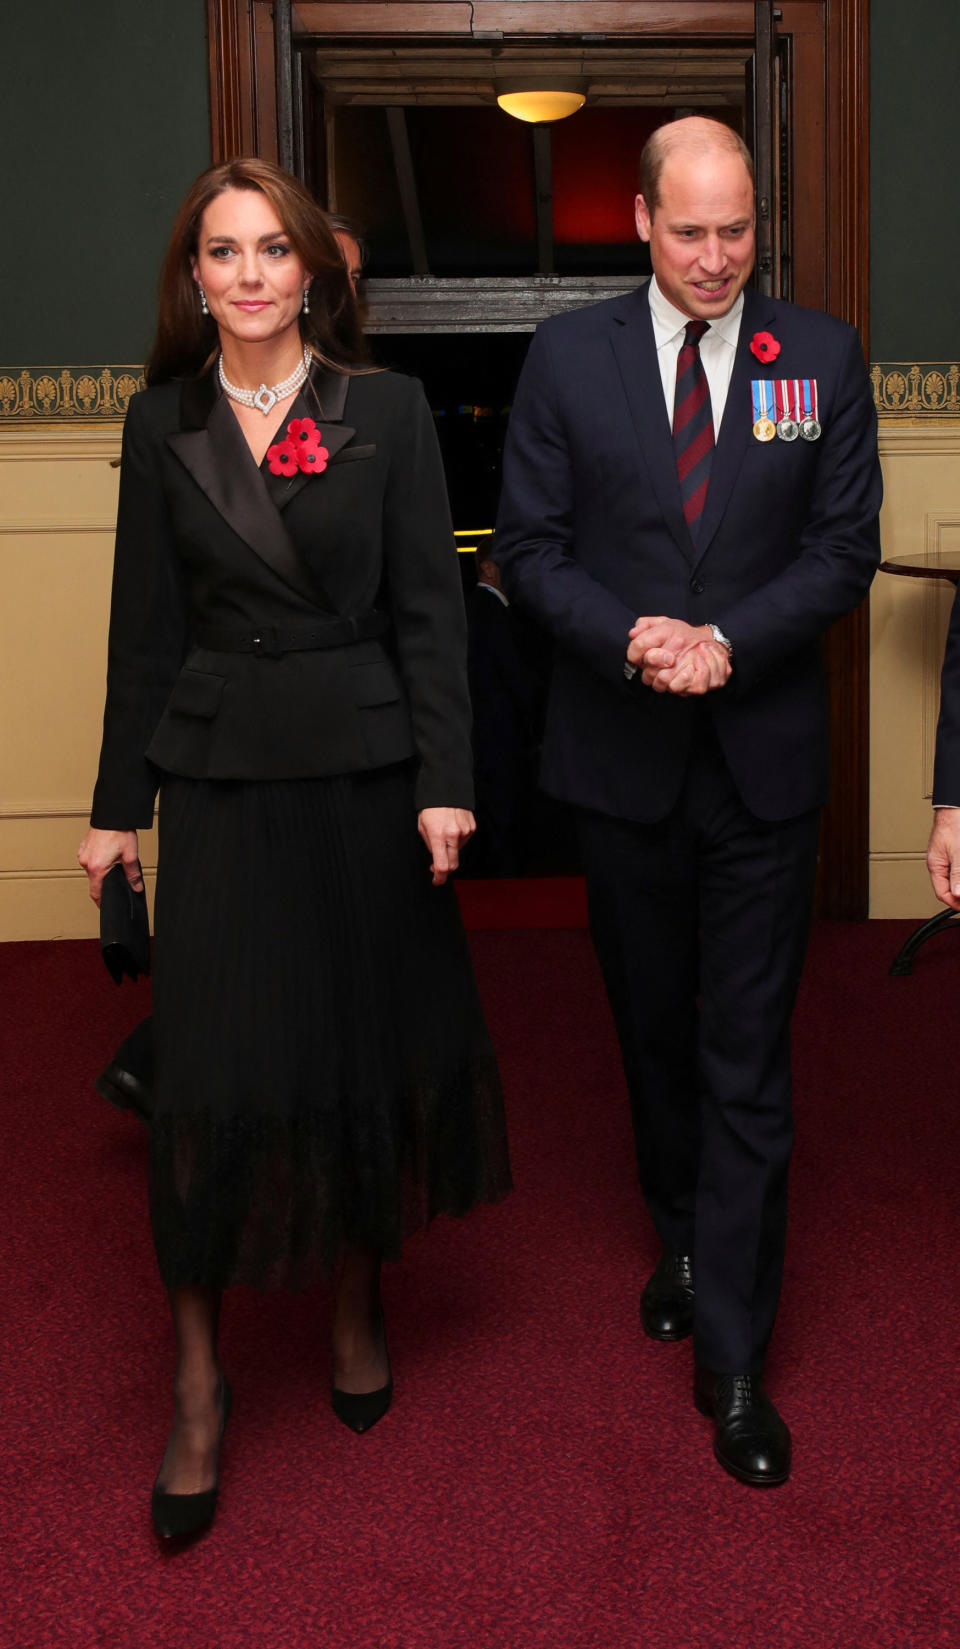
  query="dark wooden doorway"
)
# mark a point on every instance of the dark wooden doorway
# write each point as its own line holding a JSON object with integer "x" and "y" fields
{"x": 809, "y": 127}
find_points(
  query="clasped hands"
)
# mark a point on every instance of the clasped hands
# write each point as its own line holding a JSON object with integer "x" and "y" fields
{"x": 674, "y": 657}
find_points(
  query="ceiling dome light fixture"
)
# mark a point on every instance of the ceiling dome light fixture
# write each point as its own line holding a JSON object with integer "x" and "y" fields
{"x": 540, "y": 99}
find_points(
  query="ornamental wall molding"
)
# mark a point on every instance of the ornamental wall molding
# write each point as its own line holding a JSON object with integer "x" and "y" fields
{"x": 100, "y": 394}
{"x": 916, "y": 389}
{"x": 66, "y": 394}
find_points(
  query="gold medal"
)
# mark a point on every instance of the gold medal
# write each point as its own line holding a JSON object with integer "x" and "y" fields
{"x": 764, "y": 429}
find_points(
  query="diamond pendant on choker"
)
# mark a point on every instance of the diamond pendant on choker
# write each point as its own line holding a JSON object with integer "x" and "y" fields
{"x": 265, "y": 399}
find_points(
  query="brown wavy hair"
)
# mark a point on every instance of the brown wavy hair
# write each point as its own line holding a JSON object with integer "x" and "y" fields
{"x": 186, "y": 340}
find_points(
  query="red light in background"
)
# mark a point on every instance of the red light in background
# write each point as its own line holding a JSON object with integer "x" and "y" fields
{"x": 596, "y": 154}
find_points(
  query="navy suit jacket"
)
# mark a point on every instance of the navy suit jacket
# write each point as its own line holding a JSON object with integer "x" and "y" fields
{"x": 946, "y": 770}
{"x": 207, "y": 544}
{"x": 591, "y": 535}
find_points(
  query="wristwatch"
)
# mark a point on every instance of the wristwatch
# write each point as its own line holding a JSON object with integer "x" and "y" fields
{"x": 718, "y": 635}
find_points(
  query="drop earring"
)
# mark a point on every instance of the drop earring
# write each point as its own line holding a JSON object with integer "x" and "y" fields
{"x": 306, "y": 300}
{"x": 203, "y": 300}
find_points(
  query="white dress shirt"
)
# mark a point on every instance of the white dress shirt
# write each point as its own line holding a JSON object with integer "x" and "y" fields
{"x": 482, "y": 585}
{"x": 718, "y": 347}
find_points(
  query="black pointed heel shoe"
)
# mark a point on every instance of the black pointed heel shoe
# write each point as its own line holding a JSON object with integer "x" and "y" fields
{"x": 181, "y": 1516}
{"x": 362, "y": 1409}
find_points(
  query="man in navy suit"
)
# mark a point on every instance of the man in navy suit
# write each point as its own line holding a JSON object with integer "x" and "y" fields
{"x": 704, "y": 458}
{"x": 943, "y": 852}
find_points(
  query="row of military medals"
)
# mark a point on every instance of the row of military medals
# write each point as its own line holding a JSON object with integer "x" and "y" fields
{"x": 786, "y": 407}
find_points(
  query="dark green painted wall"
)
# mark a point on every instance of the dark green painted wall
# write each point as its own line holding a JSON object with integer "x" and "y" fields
{"x": 105, "y": 123}
{"x": 104, "y": 117}
{"x": 914, "y": 180}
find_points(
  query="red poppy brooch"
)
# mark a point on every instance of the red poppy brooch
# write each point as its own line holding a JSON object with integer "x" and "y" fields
{"x": 764, "y": 346}
{"x": 303, "y": 449}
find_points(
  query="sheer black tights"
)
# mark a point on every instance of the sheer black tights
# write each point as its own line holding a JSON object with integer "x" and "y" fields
{"x": 358, "y": 1342}
{"x": 359, "y": 1355}
{"x": 190, "y": 1463}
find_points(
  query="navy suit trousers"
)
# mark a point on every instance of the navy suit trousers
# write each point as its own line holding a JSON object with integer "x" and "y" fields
{"x": 700, "y": 924}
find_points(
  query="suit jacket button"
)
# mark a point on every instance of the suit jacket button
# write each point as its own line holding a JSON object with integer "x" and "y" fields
{"x": 696, "y": 586}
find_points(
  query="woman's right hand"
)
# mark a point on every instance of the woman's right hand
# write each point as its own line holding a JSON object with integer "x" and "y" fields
{"x": 100, "y": 850}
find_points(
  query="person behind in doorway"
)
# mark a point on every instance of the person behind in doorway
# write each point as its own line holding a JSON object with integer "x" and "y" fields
{"x": 509, "y": 667}
{"x": 352, "y": 248}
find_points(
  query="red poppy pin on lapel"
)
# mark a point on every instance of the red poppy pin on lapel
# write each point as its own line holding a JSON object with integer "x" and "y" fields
{"x": 303, "y": 449}
{"x": 764, "y": 346}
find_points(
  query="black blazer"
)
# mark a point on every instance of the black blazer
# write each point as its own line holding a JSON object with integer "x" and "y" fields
{"x": 209, "y": 546}
{"x": 591, "y": 535}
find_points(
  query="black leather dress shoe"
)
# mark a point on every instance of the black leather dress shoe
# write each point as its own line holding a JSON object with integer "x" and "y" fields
{"x": 666, "y": 1304}
{"x": 751, "y": 1441}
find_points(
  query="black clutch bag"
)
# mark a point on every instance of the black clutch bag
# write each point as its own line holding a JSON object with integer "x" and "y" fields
{"x": 124, "y": 927}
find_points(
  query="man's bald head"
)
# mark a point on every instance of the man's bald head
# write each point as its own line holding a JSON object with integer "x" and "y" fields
{"x": 697, "y": 215}
{"x": 695, "y": 136}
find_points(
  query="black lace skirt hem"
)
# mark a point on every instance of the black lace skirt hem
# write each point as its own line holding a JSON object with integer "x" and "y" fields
{"x": 273, "y": 1204}
{"x": 324, "y": 1075}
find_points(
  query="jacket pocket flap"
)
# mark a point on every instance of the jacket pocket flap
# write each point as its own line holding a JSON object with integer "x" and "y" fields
{"x": 374, "y": 683}
{"x": 346, "y": 454}
{"x": 195, "y": 693}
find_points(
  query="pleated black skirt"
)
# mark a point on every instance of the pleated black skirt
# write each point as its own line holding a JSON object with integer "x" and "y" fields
{"x": 324, "y": 1076}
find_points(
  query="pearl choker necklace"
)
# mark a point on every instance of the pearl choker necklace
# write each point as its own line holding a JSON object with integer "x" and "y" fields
{"x": 265, "y": 399}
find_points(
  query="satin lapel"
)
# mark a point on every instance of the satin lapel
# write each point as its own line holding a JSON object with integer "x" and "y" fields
{"x": 323, "y": 399}
{"x": 221, "y": 463}
{"x": 736, "y": 426}
{"x": 636, "y": 355}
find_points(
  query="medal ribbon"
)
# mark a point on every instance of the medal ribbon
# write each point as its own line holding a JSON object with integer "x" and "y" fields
{"x": 788, "y": 399}
{"x": 763, "y": 403}
{"x": 811, "y": 398}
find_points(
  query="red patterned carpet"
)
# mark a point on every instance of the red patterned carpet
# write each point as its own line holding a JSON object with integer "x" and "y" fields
{"x": 542, "y": 1479}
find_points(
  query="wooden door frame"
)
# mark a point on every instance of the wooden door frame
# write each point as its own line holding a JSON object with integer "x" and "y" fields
{"x": 830, "y": 42}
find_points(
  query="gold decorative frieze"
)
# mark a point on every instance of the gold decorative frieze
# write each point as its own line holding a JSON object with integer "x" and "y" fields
{"x": 916, "y": 389}
{"x": 96, "y": 394}
{"x": 62, "y": 394}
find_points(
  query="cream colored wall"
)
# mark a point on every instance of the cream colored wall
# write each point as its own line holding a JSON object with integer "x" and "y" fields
{"x": 58, "y": 498}
{"x": 908, "y": 620}
{"x": 57, "y": 506}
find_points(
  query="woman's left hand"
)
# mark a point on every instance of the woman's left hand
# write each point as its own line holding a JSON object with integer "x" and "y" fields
{"x": 445, "y": 831}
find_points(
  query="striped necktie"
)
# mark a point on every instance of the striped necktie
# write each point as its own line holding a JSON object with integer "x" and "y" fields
{"x": 692, "y": 426}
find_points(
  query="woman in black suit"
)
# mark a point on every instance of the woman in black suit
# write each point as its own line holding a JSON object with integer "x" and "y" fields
{"x": 287, "y": 665}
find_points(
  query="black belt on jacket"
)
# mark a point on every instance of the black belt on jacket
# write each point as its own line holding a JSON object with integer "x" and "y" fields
{"x": 271, "y": 641}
